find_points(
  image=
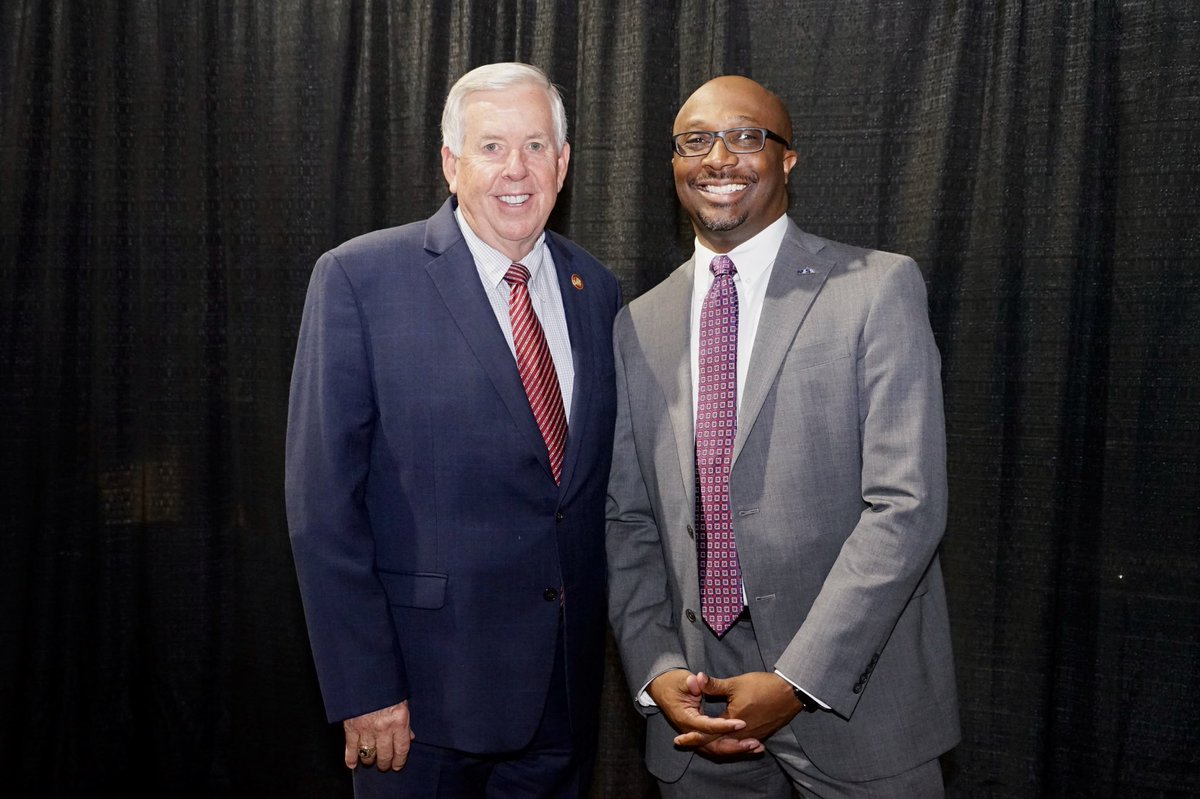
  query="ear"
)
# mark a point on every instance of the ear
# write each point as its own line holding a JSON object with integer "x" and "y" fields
{"x": 450, "y": 168}
{"x": 564, "y": 158}
{"x": 789, "y": 161}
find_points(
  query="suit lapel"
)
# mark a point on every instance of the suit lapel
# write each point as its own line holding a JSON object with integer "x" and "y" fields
{"x": 669, "y": 353}
{"x": 796, "y": 279}
{"x": 457, "y": 281}
{"x": 579, "y": 324}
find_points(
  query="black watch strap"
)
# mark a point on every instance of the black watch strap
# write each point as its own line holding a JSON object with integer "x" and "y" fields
{"x": 805, "y": 699}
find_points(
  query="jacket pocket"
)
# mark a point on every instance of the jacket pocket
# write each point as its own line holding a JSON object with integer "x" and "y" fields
{"x": 818, "y": 353}
{"x": 424, "y": 590}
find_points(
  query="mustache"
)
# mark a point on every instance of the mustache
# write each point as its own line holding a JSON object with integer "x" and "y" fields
{"x": 708, "y": 173}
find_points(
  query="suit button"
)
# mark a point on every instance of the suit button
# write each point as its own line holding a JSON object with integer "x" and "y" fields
{"x": 691, "y": 532}
{"x": 691, "y": 616}
{"x": 550, "y": 594}
{"x": 558, "y": 517}
{"x": 858, "y": 688}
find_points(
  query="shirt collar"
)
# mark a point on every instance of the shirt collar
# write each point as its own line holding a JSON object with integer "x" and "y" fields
{"x": 493, "y": 264}
{"x": 753, "y": 257}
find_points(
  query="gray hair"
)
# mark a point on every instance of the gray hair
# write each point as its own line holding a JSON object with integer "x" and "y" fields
{"x": 495, "y": 77}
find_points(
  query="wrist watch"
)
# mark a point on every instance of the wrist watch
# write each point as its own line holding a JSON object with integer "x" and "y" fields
{"x": 806, "y": 702}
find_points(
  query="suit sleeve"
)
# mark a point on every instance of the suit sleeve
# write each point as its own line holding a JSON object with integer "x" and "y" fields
{"x": 331, "y": 416}
{"x": 640, "y": 607}
{"x": 903, "y": 486}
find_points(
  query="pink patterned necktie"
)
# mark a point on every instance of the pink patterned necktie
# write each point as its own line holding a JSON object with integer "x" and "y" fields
{"x": 536, "y": 367}
{"x": 716, "y": 427}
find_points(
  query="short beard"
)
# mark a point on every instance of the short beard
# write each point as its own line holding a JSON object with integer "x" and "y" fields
{"x": 721, "y": 224}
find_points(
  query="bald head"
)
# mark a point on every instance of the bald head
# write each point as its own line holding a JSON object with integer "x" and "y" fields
{"x": 736, "y": 92}
{"x": 732, "y": 197}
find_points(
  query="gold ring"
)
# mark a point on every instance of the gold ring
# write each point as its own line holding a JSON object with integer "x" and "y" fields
{"x": 366, "y": 752}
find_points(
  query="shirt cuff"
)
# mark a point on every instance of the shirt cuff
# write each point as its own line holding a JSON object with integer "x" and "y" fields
{"x": 807, "y": 694}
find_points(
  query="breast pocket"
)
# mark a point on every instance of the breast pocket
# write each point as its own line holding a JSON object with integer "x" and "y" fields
{"x": 815, "y": 403}
{"x": 818, "y": 354}
{"x": 820, "y": 374}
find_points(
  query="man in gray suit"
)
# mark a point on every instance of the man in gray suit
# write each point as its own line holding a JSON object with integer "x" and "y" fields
{"x": 779, "y": 433}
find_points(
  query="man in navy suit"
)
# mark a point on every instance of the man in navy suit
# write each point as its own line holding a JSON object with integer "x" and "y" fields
{"x": 450, "y": 556}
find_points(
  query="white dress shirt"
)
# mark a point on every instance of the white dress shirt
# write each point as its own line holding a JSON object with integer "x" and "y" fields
{"x": 753, "y": 260}
{"x": 544, "y": 293}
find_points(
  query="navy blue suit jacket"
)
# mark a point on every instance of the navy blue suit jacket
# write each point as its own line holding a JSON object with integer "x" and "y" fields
{"x": 431, "y": 541}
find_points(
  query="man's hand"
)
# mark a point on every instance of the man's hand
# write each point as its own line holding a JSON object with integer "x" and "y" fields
{"x": 762, "y": 700}
{"x": 385, "y": 734}
{"x": 677, "y": 694}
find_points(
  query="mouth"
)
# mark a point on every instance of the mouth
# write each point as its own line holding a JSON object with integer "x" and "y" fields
{"x": 513, "y": 200}
{"x": 722, "y": 187}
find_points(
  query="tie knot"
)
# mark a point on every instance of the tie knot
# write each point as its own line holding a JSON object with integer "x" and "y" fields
{"x": 517, "y": 274}
{"x": 721, "y": 266}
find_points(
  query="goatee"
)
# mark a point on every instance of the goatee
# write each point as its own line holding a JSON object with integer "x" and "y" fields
{"x": 721, "y": 223}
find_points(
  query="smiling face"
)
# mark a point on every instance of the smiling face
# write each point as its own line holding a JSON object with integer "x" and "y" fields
{"x": 509, "y": 171}
{"x": 730, "y": 197}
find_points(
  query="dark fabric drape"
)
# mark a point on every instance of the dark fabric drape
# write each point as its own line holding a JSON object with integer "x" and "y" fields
{"x": 169, "y": 173}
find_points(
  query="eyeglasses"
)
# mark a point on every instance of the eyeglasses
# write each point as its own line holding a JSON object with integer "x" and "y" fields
{"x": 737, "y": 140}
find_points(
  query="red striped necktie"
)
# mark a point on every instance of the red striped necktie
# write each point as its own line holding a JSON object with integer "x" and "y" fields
{"x": 536, "y": 367}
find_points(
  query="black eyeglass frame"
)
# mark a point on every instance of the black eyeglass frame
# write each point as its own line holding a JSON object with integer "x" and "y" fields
{"x": 720, "y": 134}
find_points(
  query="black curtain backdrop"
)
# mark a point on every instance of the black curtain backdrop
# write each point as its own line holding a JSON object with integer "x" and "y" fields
{"x": 170, "y": 171}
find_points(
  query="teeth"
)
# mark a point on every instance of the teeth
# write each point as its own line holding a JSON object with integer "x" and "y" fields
{"x": 513, "y": 199}
{"x": 728, "y": 188}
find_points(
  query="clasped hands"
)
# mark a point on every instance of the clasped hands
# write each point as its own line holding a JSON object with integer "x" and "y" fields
{"x": 759, "y": 703}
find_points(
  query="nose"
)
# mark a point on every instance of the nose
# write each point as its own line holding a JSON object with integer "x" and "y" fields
{"x": 719, "y": 155}
{"x": 514, "y": 165}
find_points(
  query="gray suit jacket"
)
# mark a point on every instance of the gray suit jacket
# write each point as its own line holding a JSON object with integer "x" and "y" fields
{"x": 838, "y": 488}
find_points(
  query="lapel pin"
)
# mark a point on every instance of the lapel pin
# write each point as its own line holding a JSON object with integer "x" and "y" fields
{"x": 577, "y": 282}
{"x": 805, "y": 271}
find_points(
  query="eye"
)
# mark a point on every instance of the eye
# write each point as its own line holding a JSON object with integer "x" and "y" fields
{"x": 537, "y": 146}
{"x": 491, "y": 147}
{"x": 698, "y": 142}
{"x": 746, "y": 136}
